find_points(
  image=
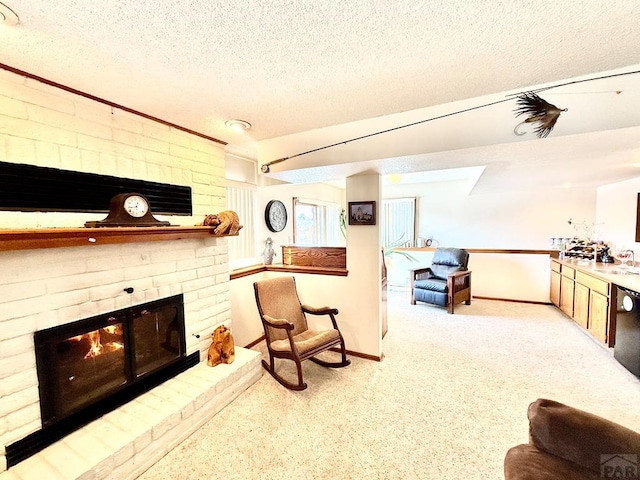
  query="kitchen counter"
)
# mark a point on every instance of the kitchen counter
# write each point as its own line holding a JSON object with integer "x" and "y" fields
{"x": 609, "y": 272}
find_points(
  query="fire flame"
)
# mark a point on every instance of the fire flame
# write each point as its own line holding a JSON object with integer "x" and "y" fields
{"x": 96, "y": 347}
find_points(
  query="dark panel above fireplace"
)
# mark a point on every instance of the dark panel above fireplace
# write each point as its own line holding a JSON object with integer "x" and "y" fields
{"x": 29, "y": 188}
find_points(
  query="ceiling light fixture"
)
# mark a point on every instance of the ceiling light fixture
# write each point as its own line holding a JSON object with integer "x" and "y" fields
{"x": 238, "y": 125}
{"x": 8, "y": 16}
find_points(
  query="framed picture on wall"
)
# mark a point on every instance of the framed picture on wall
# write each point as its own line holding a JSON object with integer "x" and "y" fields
{"x": 362, "y": 213}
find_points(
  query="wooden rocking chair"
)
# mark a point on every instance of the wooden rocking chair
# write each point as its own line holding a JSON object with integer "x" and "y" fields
{"x": 287, "y": 333}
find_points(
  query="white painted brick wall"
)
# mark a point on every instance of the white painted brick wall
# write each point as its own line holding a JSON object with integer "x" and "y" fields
{"x": 44, "y": 126}
{"x": 74, "y": 291}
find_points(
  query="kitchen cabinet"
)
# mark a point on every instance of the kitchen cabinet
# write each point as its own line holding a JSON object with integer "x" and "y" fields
{"x": 585, "y": 298}
{"x": 599, "y": 317}
{"x": 567, "y": 287}
{"x": 554, "y": 294}
{"x": 581, "y": 305}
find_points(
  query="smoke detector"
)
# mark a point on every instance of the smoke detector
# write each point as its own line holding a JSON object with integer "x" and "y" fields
{"x": 238, "y": 125}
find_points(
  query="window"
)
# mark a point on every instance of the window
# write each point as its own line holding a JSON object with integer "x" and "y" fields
{"x": 398, "y": 219}
{"x": 316, "y": 223}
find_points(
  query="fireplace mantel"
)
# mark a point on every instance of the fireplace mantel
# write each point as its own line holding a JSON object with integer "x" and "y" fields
{"x": 28, "y": 239}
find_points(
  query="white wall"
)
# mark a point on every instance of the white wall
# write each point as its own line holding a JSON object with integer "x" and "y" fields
{"x": 285, "y": 193}
{"x": 500, "y": 220}
{"x": 40, "y": 288}
{"x": 313, "y": 290}
{"x": 363, "y": 294}
{"x": 616, "y": 214}
{"x": 357, "y": 296}
{"x": 523, "y": 277}
{"x": 45, "y": 126}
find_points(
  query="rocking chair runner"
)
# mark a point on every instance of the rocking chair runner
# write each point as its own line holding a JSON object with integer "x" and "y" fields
{"x": 286, "y": 330}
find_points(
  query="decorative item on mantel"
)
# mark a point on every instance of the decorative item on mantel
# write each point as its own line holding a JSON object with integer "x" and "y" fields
{"x": 128, "y": 210}
{"x": 226, "y": 222}
{"x": 268, "y": 252}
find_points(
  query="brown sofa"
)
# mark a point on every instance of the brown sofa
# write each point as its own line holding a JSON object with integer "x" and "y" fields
{"x": 569, "y": 444}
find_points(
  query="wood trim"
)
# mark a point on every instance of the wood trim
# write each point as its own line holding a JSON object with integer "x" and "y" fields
{"x": 255, "y": 342}
{"x": 511, "y": 300}
{"x": 107, "y": 102}
{"x": 516, "y": 251}
{"x": 80, "y": 237}
{"x": 246, "y": 271}
{"x": 366, "y": 356}
{"x": 327, "y": 257}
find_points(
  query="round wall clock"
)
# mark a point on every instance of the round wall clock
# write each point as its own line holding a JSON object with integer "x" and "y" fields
{"x": 275, "y": 215}
{"x": 128, "y": 210}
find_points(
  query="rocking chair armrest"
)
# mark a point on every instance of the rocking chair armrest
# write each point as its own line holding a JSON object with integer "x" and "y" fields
{"x": 277, "y": 322}
{"x": 332, "y": 312}
{"x": 319, "y": 310}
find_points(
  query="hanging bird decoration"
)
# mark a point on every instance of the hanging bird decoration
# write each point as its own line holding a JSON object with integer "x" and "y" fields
{"x": 544, "y": 114}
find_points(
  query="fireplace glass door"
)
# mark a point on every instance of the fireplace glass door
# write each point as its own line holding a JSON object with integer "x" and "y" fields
{"x": 88, "y": 361}
{"x": 156, "y": 338}
{"x": 84, "y": 368}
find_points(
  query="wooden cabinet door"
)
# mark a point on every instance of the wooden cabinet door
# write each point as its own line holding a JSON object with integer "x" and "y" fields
{"x": 581, "y": 305}
{"x": 566, "y": 295}
{"x": 598, "y": 318}
{"x": 554, "y": 294}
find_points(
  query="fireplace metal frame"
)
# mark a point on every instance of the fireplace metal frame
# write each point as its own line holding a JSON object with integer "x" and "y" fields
{"x": 54, "y": 429}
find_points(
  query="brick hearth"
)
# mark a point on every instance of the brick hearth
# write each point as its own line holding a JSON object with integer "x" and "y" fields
{"x": 124, "y": 443}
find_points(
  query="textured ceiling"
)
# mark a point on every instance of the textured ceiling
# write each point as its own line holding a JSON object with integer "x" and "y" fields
{"x": 293, "y": 66}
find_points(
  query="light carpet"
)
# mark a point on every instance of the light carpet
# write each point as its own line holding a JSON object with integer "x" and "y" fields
{"x": 447, "y": 401}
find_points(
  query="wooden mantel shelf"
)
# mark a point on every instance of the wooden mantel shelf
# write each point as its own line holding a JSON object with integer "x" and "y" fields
{"x": 78, "y": 237}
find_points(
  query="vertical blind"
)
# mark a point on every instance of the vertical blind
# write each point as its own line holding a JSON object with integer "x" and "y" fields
{"x": 398, "y": 222}
{"x": 241, "y": 198}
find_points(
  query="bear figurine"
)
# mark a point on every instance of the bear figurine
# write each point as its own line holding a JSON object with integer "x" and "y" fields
{"x": 226, "y": 222}
{"x": 222, "y": 349}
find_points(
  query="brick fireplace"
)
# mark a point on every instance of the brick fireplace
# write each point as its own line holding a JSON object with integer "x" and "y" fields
{"x": 41, "y": 288}
{"x": 51, "y": 287}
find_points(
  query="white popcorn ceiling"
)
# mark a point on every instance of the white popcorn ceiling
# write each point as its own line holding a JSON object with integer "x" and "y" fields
{"x": 293, "y": 66}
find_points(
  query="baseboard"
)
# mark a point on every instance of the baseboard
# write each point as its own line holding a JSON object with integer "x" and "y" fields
{"x": 510, "y": 300}
{"x": 255, "y": 342}
{"x": 366, "y": 356}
